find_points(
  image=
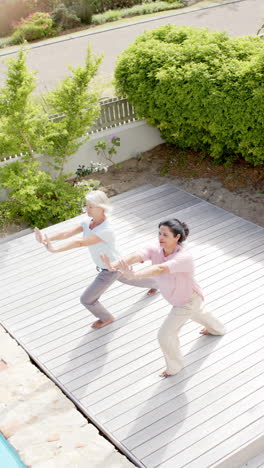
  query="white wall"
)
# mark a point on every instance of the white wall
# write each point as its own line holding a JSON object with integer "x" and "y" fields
{"x": 135, "y": 137}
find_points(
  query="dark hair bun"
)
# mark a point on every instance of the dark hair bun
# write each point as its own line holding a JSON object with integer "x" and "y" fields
{"x": 186, "y": 230}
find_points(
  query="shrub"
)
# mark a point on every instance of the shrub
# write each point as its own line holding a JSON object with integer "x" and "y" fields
{"x": 10, "y": 11}
{"x": 64, "y": 17}
{"x": 35, "y": 198}
{"x": 35, "y": 26}
{"x": 14, "y": 10}
{"x": 100, "y": 6}
{"x": 84, "y": 11}
{"x": 202, "y": 89}
{"x": 5, "y": 214}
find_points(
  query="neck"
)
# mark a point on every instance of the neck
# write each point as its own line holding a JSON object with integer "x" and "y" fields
{"x": 169, "y": 251}
{"x": 98, "y": 220}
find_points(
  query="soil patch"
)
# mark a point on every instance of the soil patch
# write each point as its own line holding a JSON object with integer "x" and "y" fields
{"x": 238, "y": 189}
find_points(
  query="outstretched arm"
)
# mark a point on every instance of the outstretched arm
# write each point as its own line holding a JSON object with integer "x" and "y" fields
{"x": 65, "y": 234}
{"x": 154, "y": 270}
{"x": 129, "y": 259}
{"x": 124, "y": 267}
{"x": 86, "y": 241}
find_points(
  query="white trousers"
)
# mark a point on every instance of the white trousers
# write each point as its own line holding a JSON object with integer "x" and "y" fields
{"x": 168, "y": 333}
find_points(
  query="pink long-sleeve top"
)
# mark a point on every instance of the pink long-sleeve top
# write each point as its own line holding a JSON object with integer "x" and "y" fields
{"x": 178, "y": 285}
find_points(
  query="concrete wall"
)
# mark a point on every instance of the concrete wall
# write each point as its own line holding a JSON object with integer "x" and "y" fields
{"x": 135, "y": 137}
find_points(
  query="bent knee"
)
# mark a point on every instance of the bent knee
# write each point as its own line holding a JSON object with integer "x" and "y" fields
{"x": 86, "y": 301}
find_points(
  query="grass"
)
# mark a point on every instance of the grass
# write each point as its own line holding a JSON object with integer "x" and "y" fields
{"x": 143, "y": 9}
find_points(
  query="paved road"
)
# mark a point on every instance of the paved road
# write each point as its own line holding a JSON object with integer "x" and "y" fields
{"x": 51, "y": 61}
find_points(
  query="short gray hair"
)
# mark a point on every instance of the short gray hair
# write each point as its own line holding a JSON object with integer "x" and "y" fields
{"x": 100, "y": 199}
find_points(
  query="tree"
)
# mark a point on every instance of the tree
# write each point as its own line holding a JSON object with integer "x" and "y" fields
{"x": 22, "y": 121}
{"x": 78, "y": 108}
{"x": 25, "y": 126}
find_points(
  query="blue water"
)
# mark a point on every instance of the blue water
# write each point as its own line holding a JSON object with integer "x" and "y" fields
{"x": 8, "y": 457}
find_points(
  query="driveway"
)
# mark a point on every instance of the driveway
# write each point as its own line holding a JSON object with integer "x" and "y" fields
{"x": 51, "y": 60}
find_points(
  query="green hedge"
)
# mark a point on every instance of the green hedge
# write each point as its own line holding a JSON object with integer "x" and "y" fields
{"x": 202, "y": 89}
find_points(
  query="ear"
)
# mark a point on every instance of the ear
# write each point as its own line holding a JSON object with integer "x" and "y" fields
{"x": 178, "y": 237}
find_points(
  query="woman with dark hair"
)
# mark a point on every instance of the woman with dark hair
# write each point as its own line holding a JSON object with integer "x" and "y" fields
{"x": 173, "y": 268}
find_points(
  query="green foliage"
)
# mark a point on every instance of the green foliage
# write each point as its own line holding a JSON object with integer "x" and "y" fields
{"x": 22, "y": 121}
{"x": 25, "y": 126}
{"x": 91, "y": 184}
{"x": 10, "y": 11}
{"x": 83, "y": 170}
{"x": 14, "y": 10}
{"x": 79, "y": 109}
{"x": 64, "y": 18}
{"x": 5, "y": 214}
{"x": 84, "y": 11}
{"x": 35, "y": 198}
{"x": 108, "y": 150}
{"x": 202, "y": 89}
{"x": 138, "y": 9}
{"x": 35, "y": 26}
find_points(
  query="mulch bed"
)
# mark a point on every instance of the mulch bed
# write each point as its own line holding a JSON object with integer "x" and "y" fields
{"x": 189, "y": 163}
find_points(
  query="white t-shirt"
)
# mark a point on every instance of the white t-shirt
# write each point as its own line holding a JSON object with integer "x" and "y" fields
{"x": 107, "y": 246}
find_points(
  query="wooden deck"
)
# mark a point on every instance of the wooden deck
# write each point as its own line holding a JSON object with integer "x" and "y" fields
{"x": 209, "y": 415}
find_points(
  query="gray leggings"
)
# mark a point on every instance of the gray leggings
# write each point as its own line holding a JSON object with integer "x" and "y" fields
{"x": 90, "y": 297}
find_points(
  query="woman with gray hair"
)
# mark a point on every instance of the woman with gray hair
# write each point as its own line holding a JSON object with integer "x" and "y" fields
{"x": 99, "y": 237}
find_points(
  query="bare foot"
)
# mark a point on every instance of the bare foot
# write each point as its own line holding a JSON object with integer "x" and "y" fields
{"x": 100, "y": 324}
{"x": 38, "y": 235}
{"x": 204, "y": 331}
{"x": 152, "y": 292}
{"x": 165, "y": 374}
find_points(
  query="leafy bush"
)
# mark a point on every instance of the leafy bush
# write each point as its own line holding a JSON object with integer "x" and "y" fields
{"x": 35, "y": 26}
{"x": 35, "y": 198}
{"x": 5, "y": 214}
{"x": 83, "y": 170}
{"x": 84, "y": 10}
{"x": 14, "y": 10}
{"x": 64, "y": 18}
{"x": 108, "y": 150}
{"x": 10, "y": 11}
{"x": 202, "y": 89}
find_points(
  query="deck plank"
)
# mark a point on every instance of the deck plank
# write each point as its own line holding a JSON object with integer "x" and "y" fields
{"x": 202, "y": 417}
